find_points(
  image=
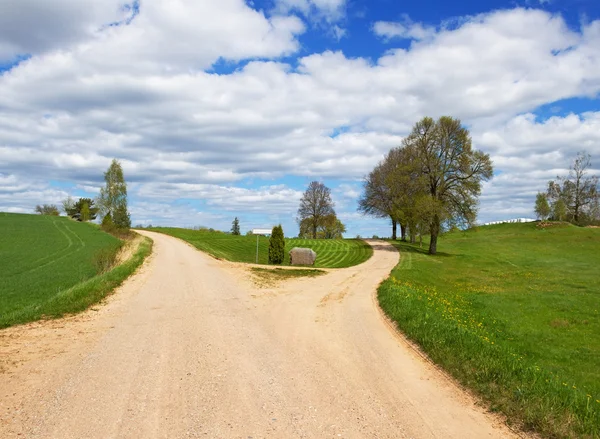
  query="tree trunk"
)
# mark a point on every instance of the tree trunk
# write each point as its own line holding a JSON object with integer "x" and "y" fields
{"x": 314, "y": 231}
{"x": 403, "y": 232}
{"x": 435, "y": 230}
{"x": 413, "y": 236}
{"x": 394, "y": 228}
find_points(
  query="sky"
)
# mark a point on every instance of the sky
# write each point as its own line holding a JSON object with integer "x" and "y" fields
{"x": 230, "y": 108}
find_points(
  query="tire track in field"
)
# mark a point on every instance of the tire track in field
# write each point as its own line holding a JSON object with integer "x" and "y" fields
{"x": 37, "y": 261}
{"x": 67, "y": 253}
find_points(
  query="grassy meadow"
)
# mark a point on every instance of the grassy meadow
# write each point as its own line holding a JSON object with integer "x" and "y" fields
{"x": 513, "y": 312}
{"x": 50, "y": 266}
{"x": 331, "y": 253}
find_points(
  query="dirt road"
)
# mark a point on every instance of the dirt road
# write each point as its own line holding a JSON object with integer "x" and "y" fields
{"x": 190, "y": 347}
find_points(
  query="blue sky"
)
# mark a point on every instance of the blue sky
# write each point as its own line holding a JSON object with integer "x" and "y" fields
{"x": 231, "y": 108}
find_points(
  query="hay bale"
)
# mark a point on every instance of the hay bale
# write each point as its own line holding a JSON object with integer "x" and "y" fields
{"x": 302, "y": 256}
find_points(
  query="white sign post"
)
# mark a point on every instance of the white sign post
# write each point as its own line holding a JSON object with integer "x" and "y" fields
{"x": 259, "y": 232}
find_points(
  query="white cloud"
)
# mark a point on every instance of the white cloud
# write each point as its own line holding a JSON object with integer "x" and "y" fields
{"x": 37, "y": 26}
{"x": 405, "y": 29}
{"x": 329, "y": 10}
{"x": 143, "y": 93}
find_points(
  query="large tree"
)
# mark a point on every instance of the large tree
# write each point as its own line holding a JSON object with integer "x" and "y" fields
{"x": 315, "y": 206}
{"x": 451, "y": 169}
{"x": 113, "y": 196}
{"x": 577, "y": 194}
{"x": 378, "y": 198}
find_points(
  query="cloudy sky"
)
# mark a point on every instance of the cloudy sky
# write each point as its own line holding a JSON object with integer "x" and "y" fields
{"x": 224, "y": 108}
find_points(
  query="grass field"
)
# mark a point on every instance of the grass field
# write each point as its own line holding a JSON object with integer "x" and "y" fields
{"x": 331, "y": 253}
{"x": 512, "y": 311}
{"x": 47, "y": 266}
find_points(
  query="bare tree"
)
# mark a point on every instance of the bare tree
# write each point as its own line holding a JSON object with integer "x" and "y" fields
{"x": 315, "y": 206}
{"x": 578, "y": 191}
{"x": 47, "y": 209}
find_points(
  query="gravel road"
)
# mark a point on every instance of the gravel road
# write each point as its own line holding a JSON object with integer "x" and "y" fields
{"x": 193, "y": 347}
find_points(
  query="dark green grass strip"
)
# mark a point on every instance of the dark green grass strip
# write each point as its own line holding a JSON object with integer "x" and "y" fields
{"x": 331, "y": 253}
{"x": 82, "y": 295}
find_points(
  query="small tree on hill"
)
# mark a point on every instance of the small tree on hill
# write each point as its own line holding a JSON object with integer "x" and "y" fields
{"x": 235, "y": 226}
{"x": 578, "y": 193}
{"x": 315, "y": 206}
{"x": 81, "y": 210}
{"x": 276, "y": 246}
{"x": 47, "y": 209}
{"x": 113, "y": 197}
{"x": 542, "y": 207}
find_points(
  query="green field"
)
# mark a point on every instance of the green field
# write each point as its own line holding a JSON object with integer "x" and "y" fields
{"x": 44, "y": 261}
{"x": 513, "y": 311}
{"x": 331, "y": 253}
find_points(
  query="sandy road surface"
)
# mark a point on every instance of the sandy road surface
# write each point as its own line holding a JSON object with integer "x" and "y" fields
{"x": 190, "y": 347}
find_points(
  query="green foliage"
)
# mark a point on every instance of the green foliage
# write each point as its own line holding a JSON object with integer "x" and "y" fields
{"x": 521, "y": 330}
{"x": 121, "y": 218}
{"x": 85, "y": 212}
{"x": 338, "y": 253}
{"x": 41, "y": 257}
{"x": 330, "y": 227}
{"x": 107, "y": 221}
{"x": 47, "y": 209}
{"x": 81, "y": 210}
{"x": 559, "y": 210}
{"x": 113, "y": 196}
{"x": 105, "y": 259}
{"x": 235, "y": 226}
{"x": 440, "y": 159}
{"x": 542, "y": 207}
{"x": 276, "y": 246}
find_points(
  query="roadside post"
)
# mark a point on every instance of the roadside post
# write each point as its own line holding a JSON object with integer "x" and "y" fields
{"x": 258, "y": 232}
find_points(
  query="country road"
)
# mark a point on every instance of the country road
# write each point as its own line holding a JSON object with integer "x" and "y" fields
{"x": 192, "y": 347}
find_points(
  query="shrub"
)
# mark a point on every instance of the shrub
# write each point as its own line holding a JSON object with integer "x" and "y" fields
{"x": 105, "y": 259}
{"x": 276, "y": 246}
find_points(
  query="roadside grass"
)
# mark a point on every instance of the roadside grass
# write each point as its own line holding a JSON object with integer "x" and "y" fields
{"x": 51, "y": 266}
{"x": 331, "y": 253}
{"x": 513, "y": 312}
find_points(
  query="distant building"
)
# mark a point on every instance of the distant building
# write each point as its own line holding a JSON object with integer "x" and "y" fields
{"x": 516, "y": 220}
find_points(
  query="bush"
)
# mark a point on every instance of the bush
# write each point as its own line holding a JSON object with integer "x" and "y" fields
{"x": 105, "y": 259}
{"x": 276, "y": 246}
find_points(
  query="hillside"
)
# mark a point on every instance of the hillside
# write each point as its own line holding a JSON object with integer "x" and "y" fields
{"x": 331, "y": 253}
{"x": 504, "y": 306}
{"x": 42, "y": 256}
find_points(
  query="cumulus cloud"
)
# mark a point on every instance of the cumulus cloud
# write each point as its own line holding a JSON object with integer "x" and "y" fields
{"x": 31, "y": 27}
{"x": 329, "y": 10}
{"x": 146, "y": 94}
{"x": 405, "y": 29}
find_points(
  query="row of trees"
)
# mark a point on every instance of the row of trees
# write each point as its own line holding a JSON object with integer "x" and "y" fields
{"x": 574, "y": 198}
{"x": 111, "y": 204}
{"x": 432, "y": 180}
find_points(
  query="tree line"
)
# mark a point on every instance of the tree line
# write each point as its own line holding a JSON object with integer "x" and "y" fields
{"x": 574, "y": 198}
{"x": 111, "y": 203}
{"x": 433, "y": 180}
